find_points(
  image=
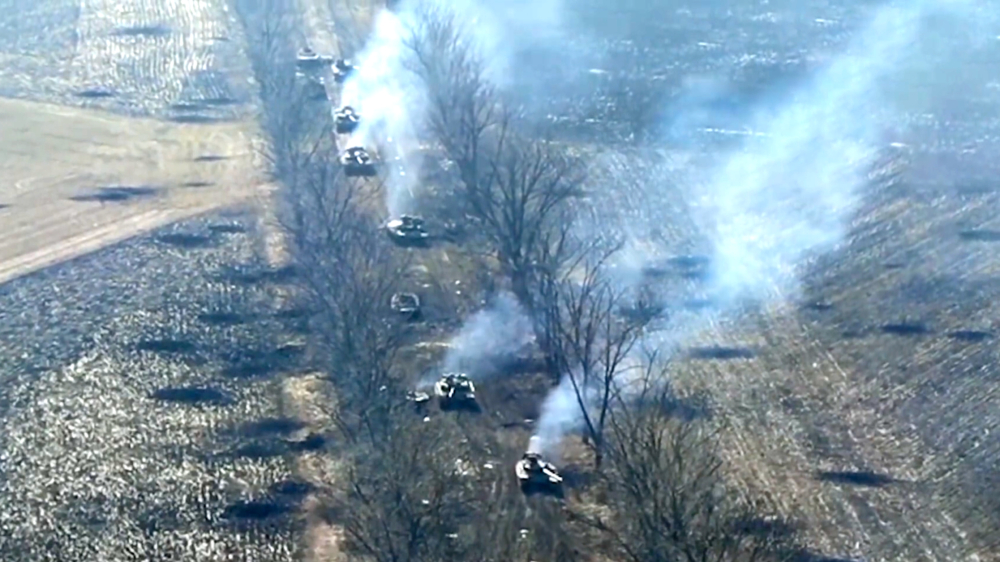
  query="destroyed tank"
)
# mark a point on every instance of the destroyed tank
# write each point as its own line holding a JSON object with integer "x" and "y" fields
{"x": 345, "y": 120}
{"x": 455, "y": 390}
{"x": 307, "y": 58}
{"x": 342, "y": 70}
{"x": 536, "y": 474}
{"x": 406, "y": 304}
{"x": 357, "y": 162}
{"x": 407, "y": 229}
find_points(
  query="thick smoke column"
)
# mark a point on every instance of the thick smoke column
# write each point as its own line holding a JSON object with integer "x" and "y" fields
{"x": 788, "y": 193}
{"x": 390, "y": 98}
{"x": 390, "y": 101}
{"x": 490, "y": 337}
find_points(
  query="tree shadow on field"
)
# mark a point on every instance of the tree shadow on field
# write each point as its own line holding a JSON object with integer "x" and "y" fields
{"x": 187, "y": 240}
{"x": 253, "y": 274}
{"x": 717, "y": 352}
{"x": 906, "y": 329}
{"x": 251, "y": 363}
{"x": 255, "y": 511}
{"x": 94, "y": 93}
{"x": 971, "y": 336}
{"x": 167, "y": 346}
{"x": 186, "y": 106}
{"x": 196, "y": 119}
{"x": 266, "y": 427}
{"x": 980, "y": 235}
{"x": 809, "y": 556}
{"x": 116, "y": 194}
{"x": 295, "y": 490}
{"x": 862, "y": 478}
{"x": 191, "y": 395}
{"x": 260, "y": 449}
{"x": 223, "y": 318}
{"x": 150, "y": 31}
{"x": 228, "y": 228}
{"x": 766, "y": 527}
{"x": 211, "y": 158}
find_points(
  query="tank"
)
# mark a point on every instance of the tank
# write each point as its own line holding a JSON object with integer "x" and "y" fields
{"x": 357, "y": 162}
{"x": 536, "y": 474}
{"x": 342, "y": 70}
{"x": 406, "y": 304}
{"x": 455, "y": 390}
{"x": 308, "y": 58}
{"x": 407, "y": 229}
{"x": 345, "y": 120}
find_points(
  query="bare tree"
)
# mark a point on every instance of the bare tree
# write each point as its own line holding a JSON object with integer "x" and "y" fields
{"x": 402, "y": 499}
{"x": 522, "y": 207}
{"x": 352, "y": 21}
{"x": 513, "y": 186}
{"x": 439, "y": 491}
{"x": 592, "y": 340}
{"x": 290, "y": 103}
{"x": 349, "y": 271}
{"x": 463, "y": 104}
{"x": 667, "y": 499}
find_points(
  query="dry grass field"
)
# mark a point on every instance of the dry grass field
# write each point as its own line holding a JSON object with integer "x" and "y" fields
{"x": 76, "y": 180}
{"x": 865, "y": 409}
{"x": 863, "y": 406}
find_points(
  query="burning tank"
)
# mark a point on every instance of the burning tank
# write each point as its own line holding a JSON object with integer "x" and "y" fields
{"x": 342, "y": 70}
{"x": 406, "y": 305}
{"x": 357, "y": 162}
{"x": 456, "y": 390}
{"x": 535, "y": 474}
{"x": 345, "y": 120}
{"x": 407, "y": 229}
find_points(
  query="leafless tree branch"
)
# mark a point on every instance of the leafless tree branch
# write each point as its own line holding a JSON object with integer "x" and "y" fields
{"x": 667, "y": 496}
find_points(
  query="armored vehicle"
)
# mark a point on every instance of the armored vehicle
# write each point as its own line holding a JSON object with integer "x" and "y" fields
{"x": 536, "y": 474}
{"x": 406, "y": 304}
{"x": 407, "y": 229}
{"x": 345, "y": 120}
{"x": 456, "y": 390}
{"x": 308, "y": 59}
{"x": 357, "y": 162}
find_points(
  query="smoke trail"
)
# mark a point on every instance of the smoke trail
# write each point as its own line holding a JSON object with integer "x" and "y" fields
{"x": 560, "y": 415}
{"x": 788, "y": 193}
{"x": 489, "y": 339}
{"x": 391, "y": 100}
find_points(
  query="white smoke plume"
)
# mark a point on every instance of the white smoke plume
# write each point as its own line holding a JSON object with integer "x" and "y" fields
{"x": 390, "y": 99}
{"x": 491, "y": 337}
{"x": 390, "y": 102}
{"x": 789, "y": 192}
